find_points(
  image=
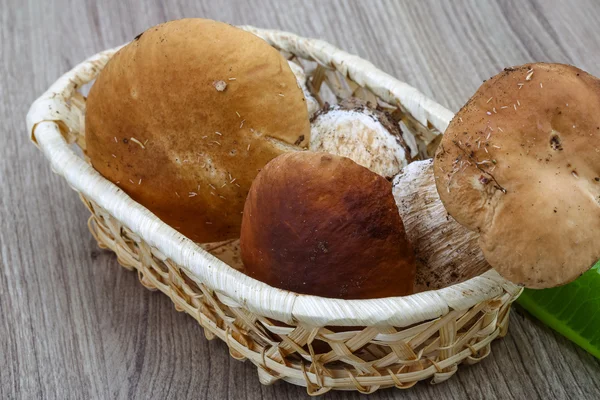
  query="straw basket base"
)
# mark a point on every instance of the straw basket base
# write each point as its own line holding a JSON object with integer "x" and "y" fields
{"x": 363, "y": 358}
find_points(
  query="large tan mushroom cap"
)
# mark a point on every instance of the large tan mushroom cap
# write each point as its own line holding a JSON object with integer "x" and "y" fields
{"x": 520, "y": 164}
{"x": 207, "y": 106}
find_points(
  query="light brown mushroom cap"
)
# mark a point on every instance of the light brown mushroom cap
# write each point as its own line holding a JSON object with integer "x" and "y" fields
{"x": 520, "y": 164}
{"x": 184, "y": 117}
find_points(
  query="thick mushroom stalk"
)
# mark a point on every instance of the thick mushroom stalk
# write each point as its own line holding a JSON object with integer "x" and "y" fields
{"x": 363, "y": 133}
{"x": 520, "y": 165}
{"x": 446, "y": 252}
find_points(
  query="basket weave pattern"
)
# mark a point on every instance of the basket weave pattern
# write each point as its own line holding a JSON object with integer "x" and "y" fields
{"x": 316, "y": 355}
{"x": 364, "y": 358}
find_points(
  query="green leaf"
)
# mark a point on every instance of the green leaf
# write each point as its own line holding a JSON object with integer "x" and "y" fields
{"x": 573, "y": 310}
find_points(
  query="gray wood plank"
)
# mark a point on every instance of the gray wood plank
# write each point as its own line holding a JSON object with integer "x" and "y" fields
{"x": 75, "y": 325}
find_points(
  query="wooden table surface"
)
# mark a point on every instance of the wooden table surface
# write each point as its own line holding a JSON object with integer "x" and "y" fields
{"x": 73, "y": 324}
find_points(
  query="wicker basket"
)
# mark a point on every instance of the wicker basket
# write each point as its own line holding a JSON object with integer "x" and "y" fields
{"x": 319, "y": 343}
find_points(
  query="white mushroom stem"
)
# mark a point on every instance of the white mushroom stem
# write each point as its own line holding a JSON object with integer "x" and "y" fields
{"x": 446, "y": 252}
{"x": 358, "y": 134}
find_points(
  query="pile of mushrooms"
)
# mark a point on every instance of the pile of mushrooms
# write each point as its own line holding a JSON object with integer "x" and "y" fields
{"x": 514, "y": 184}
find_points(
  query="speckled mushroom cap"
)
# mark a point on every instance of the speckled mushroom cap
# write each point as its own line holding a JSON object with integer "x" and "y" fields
{"x": 184, "y": 117}
{"x": 520, "y": 164}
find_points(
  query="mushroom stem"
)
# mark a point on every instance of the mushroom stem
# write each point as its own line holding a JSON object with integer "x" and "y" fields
{"x": 446, "y": 252}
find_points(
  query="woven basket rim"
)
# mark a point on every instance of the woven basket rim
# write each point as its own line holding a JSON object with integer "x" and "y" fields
{"x": 44, "y": 121}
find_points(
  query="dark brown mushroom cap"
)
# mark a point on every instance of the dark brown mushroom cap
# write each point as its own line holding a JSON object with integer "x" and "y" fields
{"x": 520, "y": 164}
{"x": 320, "y": 224}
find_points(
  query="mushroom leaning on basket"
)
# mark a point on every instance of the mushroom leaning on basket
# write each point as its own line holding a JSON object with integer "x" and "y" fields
{"x": 520, "y": 165}
{"x": 519, "y": 169}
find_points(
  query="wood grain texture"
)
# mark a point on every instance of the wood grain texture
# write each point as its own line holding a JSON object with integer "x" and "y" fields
{"x": 73, "y": 324}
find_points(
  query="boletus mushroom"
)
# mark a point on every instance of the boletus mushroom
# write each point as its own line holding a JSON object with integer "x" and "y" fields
{"x": 184, "y": 117}
{"x": 520, "y": 165}
{"x": 320, "y": 224}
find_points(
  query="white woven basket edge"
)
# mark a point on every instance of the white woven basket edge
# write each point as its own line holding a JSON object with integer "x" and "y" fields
{"x": 201, "y": 266}
{"x": 361, "y": 71}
